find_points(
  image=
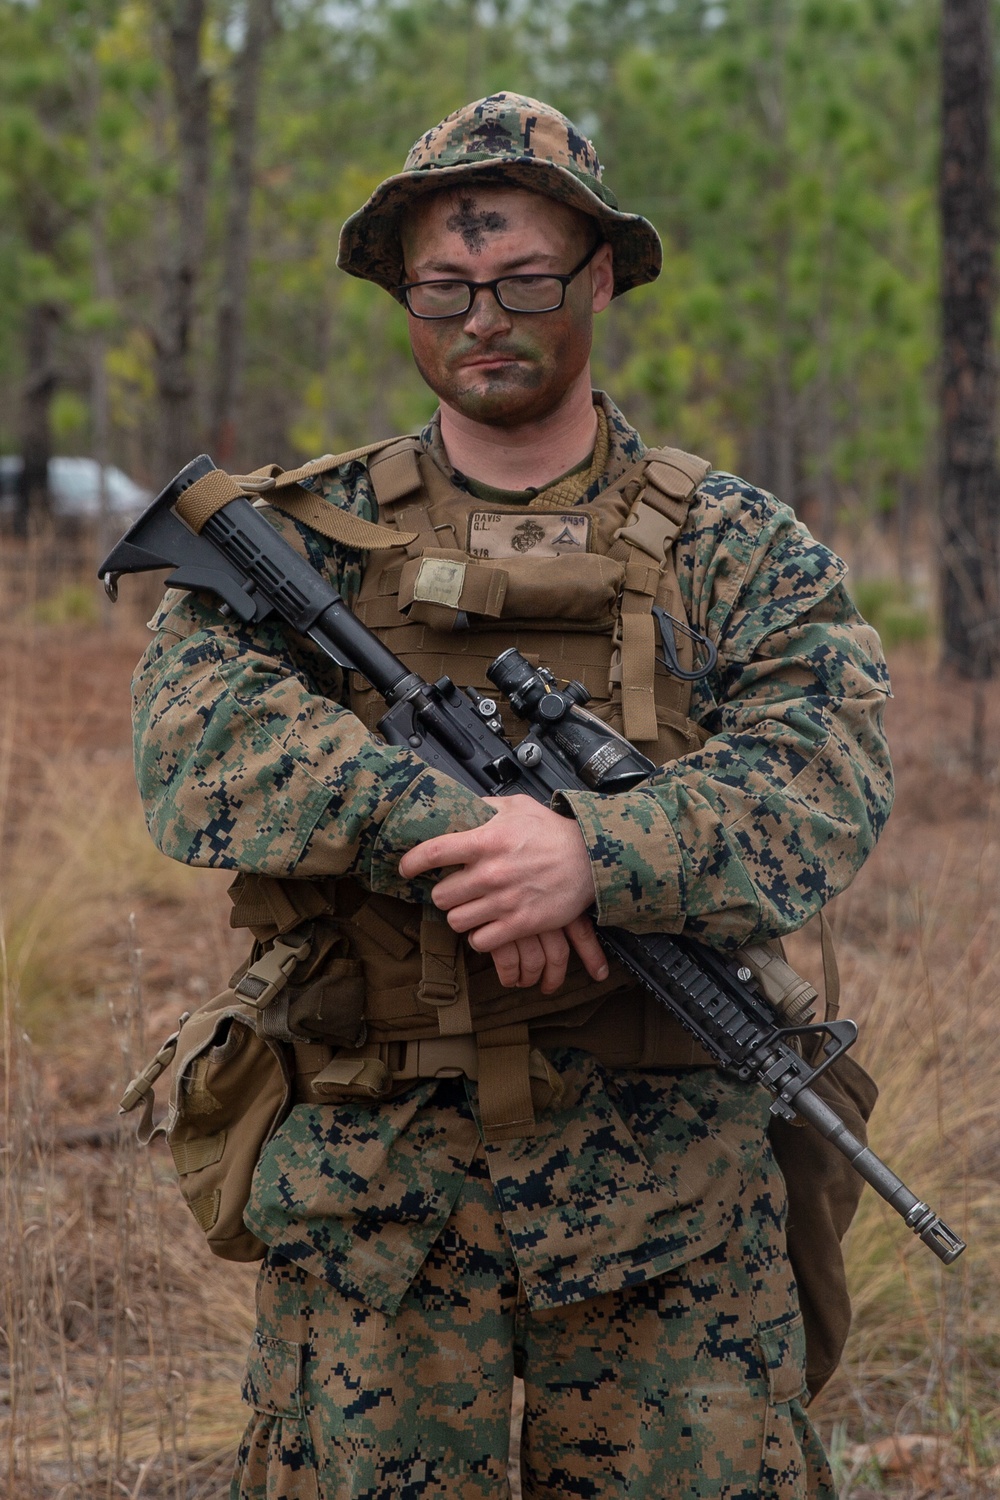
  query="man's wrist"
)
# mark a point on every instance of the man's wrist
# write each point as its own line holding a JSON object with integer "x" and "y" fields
{"x": 635, "y": 859}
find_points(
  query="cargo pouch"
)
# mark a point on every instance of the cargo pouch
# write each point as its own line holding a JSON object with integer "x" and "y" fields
{"x": 231, "y": 1090}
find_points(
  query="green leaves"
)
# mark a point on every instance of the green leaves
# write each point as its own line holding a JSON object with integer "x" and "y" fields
{"x": 784, "y": 149}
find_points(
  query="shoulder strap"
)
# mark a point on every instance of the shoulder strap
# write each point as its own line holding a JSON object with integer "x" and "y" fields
{"x": 675, "y": 473}
{"x": 283, "y": 490}
{"x": 645, "y": 545}
{"x": 394, "y": 474}
{"x": 272, "y": 476}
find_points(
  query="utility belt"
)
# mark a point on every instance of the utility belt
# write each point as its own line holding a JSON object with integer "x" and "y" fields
{"x": 355, "y": 1048}
{"x": 510, "y": 1063}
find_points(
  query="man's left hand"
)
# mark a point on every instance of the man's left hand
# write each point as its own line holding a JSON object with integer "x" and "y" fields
{"x": 525, "y": 872}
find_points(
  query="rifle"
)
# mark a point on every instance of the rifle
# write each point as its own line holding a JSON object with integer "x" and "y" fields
{"x": 238, "y": 556}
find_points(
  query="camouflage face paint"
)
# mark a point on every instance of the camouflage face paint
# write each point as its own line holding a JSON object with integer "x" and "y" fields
{"x": 474, "y": 225}
{"x": 491, "y": 365}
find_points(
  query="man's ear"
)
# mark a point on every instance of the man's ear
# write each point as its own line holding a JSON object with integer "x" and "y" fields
{"x": 602, "y": 277}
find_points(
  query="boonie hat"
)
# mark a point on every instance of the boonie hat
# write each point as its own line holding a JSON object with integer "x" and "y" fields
{"x": 507, "y": 139}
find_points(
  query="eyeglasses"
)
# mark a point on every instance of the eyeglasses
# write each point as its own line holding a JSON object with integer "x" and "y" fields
{"x": 520, "y": 294}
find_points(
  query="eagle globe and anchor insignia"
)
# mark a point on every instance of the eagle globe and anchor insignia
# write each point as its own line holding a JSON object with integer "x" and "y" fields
{"x": 527, "y": 535}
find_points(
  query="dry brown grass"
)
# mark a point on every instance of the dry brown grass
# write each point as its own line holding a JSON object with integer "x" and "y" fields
{"x": 121, "y": 1349}
{"x": 122, "y": 1341}
{"x": 919, "y": 939}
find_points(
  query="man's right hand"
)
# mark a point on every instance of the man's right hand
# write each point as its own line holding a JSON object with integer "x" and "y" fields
{"x": 543, "y": 959}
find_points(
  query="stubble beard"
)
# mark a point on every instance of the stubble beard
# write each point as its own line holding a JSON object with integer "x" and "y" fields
{"x": 501, "y": 398}
{"x": 505, "y": 397}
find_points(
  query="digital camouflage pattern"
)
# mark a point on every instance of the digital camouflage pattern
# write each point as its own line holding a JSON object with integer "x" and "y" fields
{"x": 637, "y": 1221}
{"x": 243, "y": 765}
{"x": 505, "y": 138}
{"x": 689, "y": 1385}
{"x": 629, "y": 1175}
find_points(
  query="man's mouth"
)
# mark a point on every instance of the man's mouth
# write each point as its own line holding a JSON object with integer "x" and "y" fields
{"x": 476, "y": 360}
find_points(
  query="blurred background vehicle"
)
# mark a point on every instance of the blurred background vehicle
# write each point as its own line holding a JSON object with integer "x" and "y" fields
{"x": 74, "y": 489}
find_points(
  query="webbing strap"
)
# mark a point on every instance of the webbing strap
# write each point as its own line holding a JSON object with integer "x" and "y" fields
{"x": 506, "y": 1107}
{"x": 339, "y": 525}
{"x": 207, "y": 495}
{"x": 831, "y": 969}
{"x": 216, "y": 489}
{"x": 281, "y": 479}
{"x": 638, "y": 671}
{"x": 645, "y": 544}
{"x": 444, "y": 984}
{"x": 140, "y": 1089}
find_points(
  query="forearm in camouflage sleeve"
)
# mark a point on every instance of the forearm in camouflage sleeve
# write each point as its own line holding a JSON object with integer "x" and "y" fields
{"x": 751, "y": 835}
{"x": 242, "y": 766}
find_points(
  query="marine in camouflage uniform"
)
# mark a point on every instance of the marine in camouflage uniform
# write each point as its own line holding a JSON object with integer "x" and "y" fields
{"x": 627, "y": 1259}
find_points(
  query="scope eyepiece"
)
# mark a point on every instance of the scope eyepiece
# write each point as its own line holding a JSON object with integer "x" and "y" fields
{"x": 520, "y": 682}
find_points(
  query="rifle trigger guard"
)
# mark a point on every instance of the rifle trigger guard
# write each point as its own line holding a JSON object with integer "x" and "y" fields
{"x": 668, "y": 625}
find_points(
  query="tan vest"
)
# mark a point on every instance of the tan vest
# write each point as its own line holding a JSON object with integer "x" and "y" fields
{"x": 572, "y": 588}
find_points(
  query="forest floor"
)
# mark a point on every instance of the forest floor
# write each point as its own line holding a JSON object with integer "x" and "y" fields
{"x": 122, "y": 1340}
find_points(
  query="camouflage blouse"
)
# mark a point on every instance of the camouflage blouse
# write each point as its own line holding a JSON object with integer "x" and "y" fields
{"x": 248, "y": 760}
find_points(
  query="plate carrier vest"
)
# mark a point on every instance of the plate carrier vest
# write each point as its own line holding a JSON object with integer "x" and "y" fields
{"x": 451, "y": 581}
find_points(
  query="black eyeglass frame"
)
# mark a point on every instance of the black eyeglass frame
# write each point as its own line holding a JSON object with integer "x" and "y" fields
{"x": 474, "y": 287}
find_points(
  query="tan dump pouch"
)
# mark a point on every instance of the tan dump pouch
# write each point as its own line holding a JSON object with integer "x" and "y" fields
{"x": 231, "y": 1090}
{"x": 581, "y": 590}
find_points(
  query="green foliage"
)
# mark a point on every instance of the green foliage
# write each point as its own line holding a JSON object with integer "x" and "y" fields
{"x": 76, "y": 604}
{"x": 784, "y": 148}
{"x": 890, "y": 606}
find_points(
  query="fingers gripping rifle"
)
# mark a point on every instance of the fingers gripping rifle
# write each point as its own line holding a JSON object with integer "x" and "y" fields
{"x": 238, "y": 556}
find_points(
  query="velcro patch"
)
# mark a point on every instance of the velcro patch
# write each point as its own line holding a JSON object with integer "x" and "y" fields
{"x": 439, "y": 581}
{"x": 494, "y": 533}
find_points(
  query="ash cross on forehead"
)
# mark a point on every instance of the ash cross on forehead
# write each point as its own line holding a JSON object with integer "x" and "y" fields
{"x": 474, "y": 225}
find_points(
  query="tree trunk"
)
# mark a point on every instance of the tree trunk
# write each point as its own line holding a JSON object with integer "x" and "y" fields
{"x": 259, "y": 21}
{"x": 970, "y": 493}
{"x": 104, "y": 291}
{"x": 40, "y": 380}
{"x": 184, "y": 247}
{"x": 784, "y": 392}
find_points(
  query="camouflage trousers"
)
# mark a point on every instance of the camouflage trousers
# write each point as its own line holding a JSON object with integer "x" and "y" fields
{"x": 685, "y": 1385}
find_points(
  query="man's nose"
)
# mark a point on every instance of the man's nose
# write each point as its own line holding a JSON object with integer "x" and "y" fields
{"x": 486, "y": 316}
